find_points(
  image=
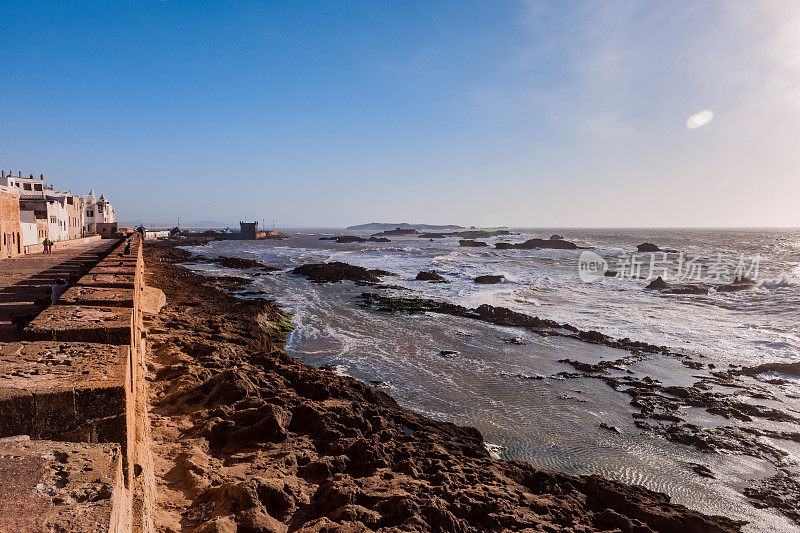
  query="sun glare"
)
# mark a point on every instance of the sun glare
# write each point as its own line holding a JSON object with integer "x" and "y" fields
{"x": 700, "y": 119}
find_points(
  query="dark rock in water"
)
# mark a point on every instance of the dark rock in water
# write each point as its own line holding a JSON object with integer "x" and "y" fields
{"x": 648, "y": 247}
{"x": 610, "y": 273}
{"x": 702, "y": 470}
{"x": 658, "y": 284}
{"x": 503, "y": 317}
{"x": 738, "y": 284}
{"x": 488, "y": 280}
{"x": 555, "y": 244}
{"x": 790, "y": 369}
{"x": 431, "y": 276}
{"x": 343, "y": 239}
{"x": 238, "y": 262}
{"x": 349, "y": 238}
{"x": 470, "y": 243}
{"x": 515, "y": 340}
{"x": 504, "y": 245}
{"x": 379, "y": 239}
{"x": 615, "y": 429}
{"x": 435, "y": 235}
{"x": 685, "y": 289}
{"x": 593, "y": 336}
{"x": 480, "y": 233}
{"x": 556, "y": 237}
{"x": 337, "y": 271}
{"x": 449, "y": 353}
{"x": 397, "y": 231}
{"x": 780, "y": 491}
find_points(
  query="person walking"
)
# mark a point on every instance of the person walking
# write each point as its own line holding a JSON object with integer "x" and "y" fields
{"x": 46, "y": 246}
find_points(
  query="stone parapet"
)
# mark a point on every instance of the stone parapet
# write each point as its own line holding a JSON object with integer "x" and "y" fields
{"x": 75, "y": 382}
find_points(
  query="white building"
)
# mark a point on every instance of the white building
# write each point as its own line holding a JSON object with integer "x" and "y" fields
{"x": 32, "y": 233}
{"x": 97, "y": 211}
{"x": 28, "y": 186}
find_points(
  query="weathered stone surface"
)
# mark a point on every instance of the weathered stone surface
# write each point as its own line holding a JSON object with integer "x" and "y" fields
{"x": 112, "y": 325}
{"x": 17, "y": 408}
{"x": 93, "y": 296}
{"x": 116, "y": 281}
{"x": 60, "y": 486}
{"x": 111, "y": 269}
{"x": 57, "y": 389}
{"x": 152, "y": 300}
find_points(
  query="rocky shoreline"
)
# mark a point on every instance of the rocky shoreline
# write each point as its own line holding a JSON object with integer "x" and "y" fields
{"x": 247, "y": 438}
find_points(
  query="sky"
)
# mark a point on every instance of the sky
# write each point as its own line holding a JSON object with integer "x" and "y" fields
{"x": 331, "y": 113}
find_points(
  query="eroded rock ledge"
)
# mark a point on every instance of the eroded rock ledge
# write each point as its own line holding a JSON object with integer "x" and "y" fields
{"x": 247, "y": 435}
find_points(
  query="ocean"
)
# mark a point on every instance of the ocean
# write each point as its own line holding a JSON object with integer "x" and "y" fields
{"x": 514, "y": 393}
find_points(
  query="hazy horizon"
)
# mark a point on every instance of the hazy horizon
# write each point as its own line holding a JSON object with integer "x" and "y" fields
{"x": 516, "y": 113}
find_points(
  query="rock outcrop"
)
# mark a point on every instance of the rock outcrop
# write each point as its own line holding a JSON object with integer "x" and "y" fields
{"x": 488, "y": 280}
{"x": 557, "y": 244}
{"x": 667, "y": 288}
{"x": 469, "y": 243}
{"x": 431, "y": 276}
{"x": 738, "y": 284}
{"x": 344, "y": 239}
{"x": 243, "y": 264}
{"x": 338, "y": 271}
{"x": 647, "y": 247}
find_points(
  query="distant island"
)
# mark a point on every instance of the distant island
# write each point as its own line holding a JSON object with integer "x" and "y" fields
{"x": 383, "y": 226}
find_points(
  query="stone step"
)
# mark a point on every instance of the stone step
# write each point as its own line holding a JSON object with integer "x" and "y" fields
{"x": 61, "y": 486}
{"x": 111, "y": 325}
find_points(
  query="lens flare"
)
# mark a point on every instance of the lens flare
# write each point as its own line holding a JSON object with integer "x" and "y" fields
{"x": 700, "y": 119}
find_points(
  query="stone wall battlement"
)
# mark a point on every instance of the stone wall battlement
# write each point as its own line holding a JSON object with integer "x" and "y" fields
{"x": 71, "y": 399}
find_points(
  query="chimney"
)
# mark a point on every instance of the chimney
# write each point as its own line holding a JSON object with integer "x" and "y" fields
{"x": 31, "y": 176}
{"x": 20, "y": 173}
{"x": 41, "y": 177}
{"x": 4, "y": 174}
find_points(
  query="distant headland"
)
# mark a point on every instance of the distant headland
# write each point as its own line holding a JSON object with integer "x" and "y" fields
{"x": 383, "y": 226}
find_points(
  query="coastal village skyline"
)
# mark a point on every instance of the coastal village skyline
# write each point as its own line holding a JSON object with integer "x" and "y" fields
{"x": 34, "y": 212}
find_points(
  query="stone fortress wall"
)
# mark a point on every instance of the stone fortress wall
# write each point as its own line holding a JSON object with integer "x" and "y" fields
{"x": 73, "y": 430}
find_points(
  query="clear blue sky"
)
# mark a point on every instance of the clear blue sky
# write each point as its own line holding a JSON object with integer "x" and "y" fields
{"x": 470, "y": 112}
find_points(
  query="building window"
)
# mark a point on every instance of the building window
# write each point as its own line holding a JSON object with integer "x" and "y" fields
{"x": 26, "y": 186}
{"x": 37, "y": 187}
{"x": 53, "y": 220}
{"x": 90, "y": 213}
